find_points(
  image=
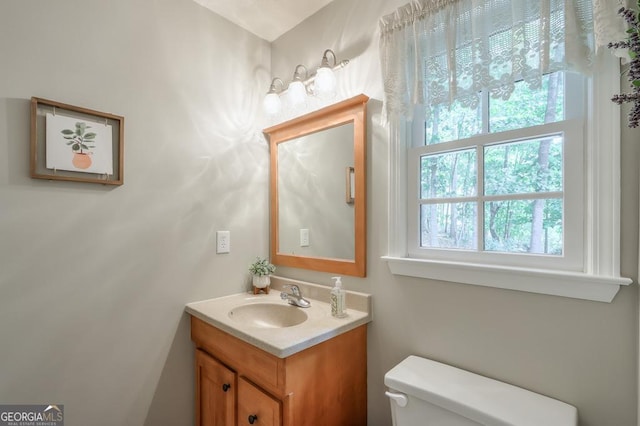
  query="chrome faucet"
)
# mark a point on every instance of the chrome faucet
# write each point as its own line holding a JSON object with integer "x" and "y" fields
{"x": 295, "y": 297}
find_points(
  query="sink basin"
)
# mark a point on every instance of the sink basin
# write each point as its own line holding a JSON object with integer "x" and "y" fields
{"x": 268, "y": 315}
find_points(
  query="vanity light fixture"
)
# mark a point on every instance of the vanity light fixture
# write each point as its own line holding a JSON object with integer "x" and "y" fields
{"x": 272, "y": 102}
{"x": 322, "y": 83}
{"x": 325, "y": 82}
{"x": 297, "y": 89}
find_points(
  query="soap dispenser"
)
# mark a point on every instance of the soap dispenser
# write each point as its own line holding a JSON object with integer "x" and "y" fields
{"x": 338, "y": 305}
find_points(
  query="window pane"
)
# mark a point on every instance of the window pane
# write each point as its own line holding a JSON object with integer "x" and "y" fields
{"x": 529, "y": 166}
{"x": 452, "y": 123}
{"x": 528, "y": 107}
{"x": 524, "y": 226}
{"x": 448, "y": 225}
{"x": 448, "y": 175}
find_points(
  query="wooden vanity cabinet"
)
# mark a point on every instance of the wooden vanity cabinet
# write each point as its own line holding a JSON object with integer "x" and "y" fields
{"x": 253, "y": 402}
{"x": 216, "y": 389}
{"x": 324, "y": 385}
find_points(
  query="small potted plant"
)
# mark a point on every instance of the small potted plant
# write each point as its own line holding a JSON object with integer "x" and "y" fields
{"x": 261, "y": 271}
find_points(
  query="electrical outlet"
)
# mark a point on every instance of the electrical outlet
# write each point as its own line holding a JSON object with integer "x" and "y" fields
{"x": 223, "y": 242}
{"x": 304, "y": 238}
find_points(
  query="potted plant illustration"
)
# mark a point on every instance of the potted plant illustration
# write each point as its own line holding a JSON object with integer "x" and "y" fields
{"x": 261, "y": 271}
{"x": 80, "y": 141}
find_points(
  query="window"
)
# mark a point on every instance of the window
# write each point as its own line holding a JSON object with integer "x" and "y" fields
{"x": 488, "y": 183}
{"x": 504, "y": 147}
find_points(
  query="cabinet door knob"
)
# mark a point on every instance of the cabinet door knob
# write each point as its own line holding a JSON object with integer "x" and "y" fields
{"x": 226, "y": 387}
{"x": 252, "y": 419}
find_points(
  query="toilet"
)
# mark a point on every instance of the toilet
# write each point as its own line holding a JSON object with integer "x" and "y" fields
{"x": 428, "y": 393}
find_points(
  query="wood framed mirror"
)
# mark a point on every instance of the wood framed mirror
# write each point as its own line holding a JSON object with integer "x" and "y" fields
{"x": 318, "y": 189}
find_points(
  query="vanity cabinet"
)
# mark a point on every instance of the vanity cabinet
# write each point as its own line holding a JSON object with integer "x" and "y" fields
{"x": 255, "y": 405}
{"x": 323, "y": 385}
{"x": 216, "y": 387}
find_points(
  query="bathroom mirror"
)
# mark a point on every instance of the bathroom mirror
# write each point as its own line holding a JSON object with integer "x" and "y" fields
{"x": 318, "y": 189}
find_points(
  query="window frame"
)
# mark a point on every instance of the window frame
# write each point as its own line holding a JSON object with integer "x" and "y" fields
{"x": 598, "y": 278}
{"x": 573, "y": 196}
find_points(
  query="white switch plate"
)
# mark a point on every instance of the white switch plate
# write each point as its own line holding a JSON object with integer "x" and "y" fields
{"x": 304, "y": 238}
{"x": 223, "y": 242}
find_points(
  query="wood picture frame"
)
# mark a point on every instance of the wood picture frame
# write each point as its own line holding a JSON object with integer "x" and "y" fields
{"x": 110, "y": 141}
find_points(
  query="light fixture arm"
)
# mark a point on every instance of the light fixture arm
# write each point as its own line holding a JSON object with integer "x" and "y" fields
{"x": 298, "y": 76}
{"x": 325, "y": 59}
{"x": 273, "y": 88}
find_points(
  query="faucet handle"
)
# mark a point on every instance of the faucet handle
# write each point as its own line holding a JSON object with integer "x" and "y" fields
{"x": 295, "y": 290}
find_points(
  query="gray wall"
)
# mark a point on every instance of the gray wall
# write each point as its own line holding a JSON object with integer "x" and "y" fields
{"x": 93, "y": 279}
{"x": 584, "y": 353}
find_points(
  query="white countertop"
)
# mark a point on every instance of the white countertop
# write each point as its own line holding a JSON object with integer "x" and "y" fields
{"x": 286, "y": 341}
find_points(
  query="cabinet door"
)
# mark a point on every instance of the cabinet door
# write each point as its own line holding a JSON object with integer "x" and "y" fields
{"x": 215, "y": 392}
{"x": 256, "y": 407}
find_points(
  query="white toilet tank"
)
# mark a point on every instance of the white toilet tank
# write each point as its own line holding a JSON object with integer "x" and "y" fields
{"x": 425, "y": 392}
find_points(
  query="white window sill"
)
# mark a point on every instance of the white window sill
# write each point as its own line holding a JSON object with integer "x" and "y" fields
{"x": 557, "y": 283}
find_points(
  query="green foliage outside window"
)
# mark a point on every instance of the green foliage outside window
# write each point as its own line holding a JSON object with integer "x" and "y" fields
{"x": 521, "y": 180}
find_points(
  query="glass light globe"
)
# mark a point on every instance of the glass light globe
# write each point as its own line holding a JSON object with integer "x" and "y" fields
{"x": 297, "y": 93}
{"x": 325, "y": 82}
{"x": 272, "y": 103}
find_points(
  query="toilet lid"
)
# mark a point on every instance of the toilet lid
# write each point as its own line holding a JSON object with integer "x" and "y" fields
{"x": 481, "y": 399}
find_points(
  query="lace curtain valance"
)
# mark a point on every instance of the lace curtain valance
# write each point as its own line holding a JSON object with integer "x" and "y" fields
{"x": 442, "y": 51}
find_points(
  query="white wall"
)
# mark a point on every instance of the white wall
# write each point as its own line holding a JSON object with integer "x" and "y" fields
{"x": 93, "y": 279}
{"x": 584, "y": 353}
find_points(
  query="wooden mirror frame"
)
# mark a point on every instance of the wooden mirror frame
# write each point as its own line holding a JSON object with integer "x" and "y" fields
{"x": 354, "y": 111}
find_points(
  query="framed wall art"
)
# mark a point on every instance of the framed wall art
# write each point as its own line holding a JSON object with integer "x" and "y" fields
{"x": 76, "y": 144}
